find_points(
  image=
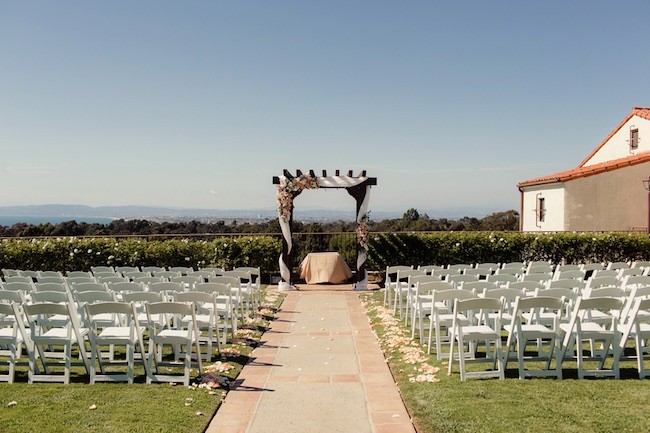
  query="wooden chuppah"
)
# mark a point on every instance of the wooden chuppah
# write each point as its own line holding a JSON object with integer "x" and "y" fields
{"x": 290, "y": 186}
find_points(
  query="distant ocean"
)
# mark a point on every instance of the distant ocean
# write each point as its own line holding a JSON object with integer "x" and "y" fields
{"x": 35, "y": 220}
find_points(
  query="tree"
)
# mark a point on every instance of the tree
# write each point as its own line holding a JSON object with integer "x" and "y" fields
{"x": 411, "y": 215}
{"x": 501, "y": 221}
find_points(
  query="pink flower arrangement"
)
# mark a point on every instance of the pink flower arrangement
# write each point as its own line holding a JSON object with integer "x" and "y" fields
{"x": 362, "y": 233}
{"x": 290, "y": 188}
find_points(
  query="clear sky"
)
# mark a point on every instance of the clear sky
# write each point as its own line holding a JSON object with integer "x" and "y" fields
{"x": 199, "y": 104}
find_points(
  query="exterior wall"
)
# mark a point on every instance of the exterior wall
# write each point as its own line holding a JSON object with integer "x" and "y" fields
{"x": 613, "y": 200}
{"x": 553, "y": 195}
{"x": 618, "y": 145}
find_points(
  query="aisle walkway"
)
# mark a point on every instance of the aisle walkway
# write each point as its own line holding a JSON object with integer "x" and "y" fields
{"x": 318, "y": 369}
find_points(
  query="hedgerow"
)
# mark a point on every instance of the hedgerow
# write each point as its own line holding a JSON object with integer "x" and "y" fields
{"x": 71, "y": 253}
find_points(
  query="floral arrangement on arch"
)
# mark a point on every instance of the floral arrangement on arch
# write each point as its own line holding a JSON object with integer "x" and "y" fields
{"x": 288, "y": 189}
{"x": 361, "y": 231}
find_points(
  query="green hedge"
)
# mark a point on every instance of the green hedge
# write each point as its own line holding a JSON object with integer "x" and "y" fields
{"x": 476, "y": 247}
{"x": 64, "y": 254}
{"x": 385, "y": 249}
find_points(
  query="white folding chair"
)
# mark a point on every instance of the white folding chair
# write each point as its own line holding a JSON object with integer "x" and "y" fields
{"x": 226, "y": 308}
{"x": 441, "y": 316}
{"x": 13, "y": 336}
{"x": 580, "y": 329}
{"x": 463, "y": 333}
{"x": 170, "y": 335}
{"x": 206, "y": 316}
{"x": 124, "y": 332}
{"x": 638, "y": 329}
{"x": 45, "y": 335}
{"x": 390, "y": 283}
{"x": 526, "y": 325}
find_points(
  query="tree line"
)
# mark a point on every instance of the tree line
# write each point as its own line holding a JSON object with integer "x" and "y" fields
{"x": 412, "y": 220}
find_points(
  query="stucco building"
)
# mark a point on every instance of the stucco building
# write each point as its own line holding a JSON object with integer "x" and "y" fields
{"x": 605, "y": 192}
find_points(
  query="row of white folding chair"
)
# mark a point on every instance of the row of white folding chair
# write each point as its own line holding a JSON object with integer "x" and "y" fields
{"x": 57, "y": 324}
{"x": 572, "y": 334}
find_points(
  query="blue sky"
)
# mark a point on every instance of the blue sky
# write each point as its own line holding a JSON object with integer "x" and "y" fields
{"x": 200, "y": 104}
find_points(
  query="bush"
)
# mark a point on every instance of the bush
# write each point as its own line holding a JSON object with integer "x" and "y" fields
{"x": 70, "y": 253}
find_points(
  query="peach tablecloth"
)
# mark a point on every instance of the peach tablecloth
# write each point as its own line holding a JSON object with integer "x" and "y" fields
{"x": 324, "y": 268}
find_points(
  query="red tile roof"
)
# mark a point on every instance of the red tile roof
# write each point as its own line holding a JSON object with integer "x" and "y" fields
{"x": 589, "y": 170}
{"x": 643, "y": 112}
{"x": 582, "y": 171}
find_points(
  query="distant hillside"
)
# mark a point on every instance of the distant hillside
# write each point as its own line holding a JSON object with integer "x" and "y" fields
{"x": 171, "y": 214}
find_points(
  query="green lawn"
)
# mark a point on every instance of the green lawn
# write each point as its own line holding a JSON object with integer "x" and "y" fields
{"x": 512, "y": 405}
{"x": 118, "y": 407}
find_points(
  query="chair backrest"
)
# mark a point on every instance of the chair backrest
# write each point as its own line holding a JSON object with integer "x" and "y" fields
{"x": 528, "y": 286}
{"x": 76, "y": 280}
{"x": 567, "y": 283}
{"x": 617, "y": 265}
{"x": 106, "y": 269}
{"x": 220, "y": 288}
{"x": 22, "y": 286}
{"x": 502, "y": 279}
{"x": 111, "y": 279}
{"x": 139, "y": 297}
{"x": 450, "y": 295}
{"x": 195, "y": 297}
{"x": 187, "y": 281}
{"x": 205, "y": 274}
{"x": 622, "y": 273}
{"x": 136, "y": 274}
{"x": 125, "y": 287}
{"x": 577, "y": 274}
{"x": 477, "y": 304}
{"x": 220, "y": 271}
{"x": 584, "y": 306}
{"x": 10, "y": 272}
{"x": 591, "y": 267}
{"x": 596, "y": 282}
{"x": 458, "y": 268}
{"x": 461, "y": 278}
{"x": 479, "y": 286}
{"x": 166, "y": 274}
{"x": 7, "y": 297}
{"x": 57, "y": 297}
{"x": 148, "y": 280}
{"x": 430, "y": 286}
{"x": 533, "y": 307}
{"x": 49, "y": 274}
{"x": 166, "y": 287}
{"x": 631, "y": 281}
{"x": 641, "y": 264}
{"x": 537, "y": 276}
{"x": 184, "y": 270}
{"x": 419, "y": 279}
{"x": 153, "y": 269}
{"x": 430, "y": 268}
{"x": 612, "y": 291}
{"x": 18, "y": 279}
{"x": 123, "y": 309}
{"x": 79, "y": 274}
{"x": 488, "y": 265}
{"x": 88, "y": 287}
{"x": 50, "y": 279}
{"x": 95, "y": 296}
{"x": 124, "y": 269}
{"x": 244, "y": 276}
{"x": 605, "y": 273}
{"x": 51, "y": 287}
{"x": 233, "y": 282}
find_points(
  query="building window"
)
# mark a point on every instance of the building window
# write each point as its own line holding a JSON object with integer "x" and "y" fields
{"x": 541, "y": 209}
{"x": 634, "y": 138}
